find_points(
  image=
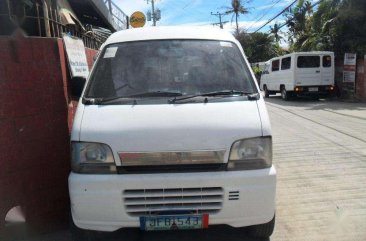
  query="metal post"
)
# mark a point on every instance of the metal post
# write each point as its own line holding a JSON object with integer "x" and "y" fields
{"x": 9, "y": 10}
{"x": 51, "y": 21}
{"x": 57, "y": 27}
{"x": 110, "y": 6}
{"x": 45, "y": 18}
{"x": 153, "y": 13}
{"x": 221, "y": 26}
{"x": 10, "y": 16}
{"x": 38, "y": 20}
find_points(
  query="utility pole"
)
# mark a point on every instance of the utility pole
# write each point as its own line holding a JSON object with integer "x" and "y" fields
{"x": 153, "y": 13}
{"x": 220, "y": 23}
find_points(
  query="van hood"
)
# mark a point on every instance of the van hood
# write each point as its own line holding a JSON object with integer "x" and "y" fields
{"x": 164, "y": 128}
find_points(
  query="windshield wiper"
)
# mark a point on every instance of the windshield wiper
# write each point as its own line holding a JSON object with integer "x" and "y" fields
{"x": 158, "y": 93}
{"x": 98, "y": 101}
{"x": 251, "y": 96}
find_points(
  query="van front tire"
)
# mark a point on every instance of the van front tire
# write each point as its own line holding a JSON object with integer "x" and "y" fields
{"x": 262, "y": 230}
{"x": 78, "y": 234}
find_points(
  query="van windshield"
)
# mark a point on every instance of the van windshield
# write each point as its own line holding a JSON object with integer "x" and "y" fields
{"x": 169, "y": 67}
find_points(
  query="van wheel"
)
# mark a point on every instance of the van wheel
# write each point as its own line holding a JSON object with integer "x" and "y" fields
{"x": 262, "y": 230}
{"x": 284, "y": 94}
{"x": 78, "y": 234}
{"x": 266, "y": 92}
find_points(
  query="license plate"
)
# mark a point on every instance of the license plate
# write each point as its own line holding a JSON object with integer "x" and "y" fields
{"x": 173, "y": 222}
{"x": 313, "y": 89}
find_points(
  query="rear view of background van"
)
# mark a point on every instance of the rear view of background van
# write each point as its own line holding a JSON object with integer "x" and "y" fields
{"x": 299, "y": 74}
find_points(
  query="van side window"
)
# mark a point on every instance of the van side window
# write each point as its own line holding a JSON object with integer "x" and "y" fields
{"x": 276, "y": 65}
{"x": 286, "y": 63}
{"x": 327, "y": 61}
{"x": 308, "y": 61}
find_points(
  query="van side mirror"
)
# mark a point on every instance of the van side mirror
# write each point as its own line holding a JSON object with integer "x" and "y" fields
{"x": 77, "y": 86}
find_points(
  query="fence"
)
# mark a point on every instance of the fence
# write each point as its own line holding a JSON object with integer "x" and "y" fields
{"x": 120, "y": 19}
{"x": 45, "y": 21}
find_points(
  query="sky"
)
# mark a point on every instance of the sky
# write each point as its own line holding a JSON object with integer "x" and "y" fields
{"x": 198, "y": 12}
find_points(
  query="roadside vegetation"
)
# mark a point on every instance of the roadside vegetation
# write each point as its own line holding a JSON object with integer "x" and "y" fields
{"x": 330, "y": 25}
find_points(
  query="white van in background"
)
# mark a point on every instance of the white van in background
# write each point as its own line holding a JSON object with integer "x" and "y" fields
{"x": 299, "y": 74}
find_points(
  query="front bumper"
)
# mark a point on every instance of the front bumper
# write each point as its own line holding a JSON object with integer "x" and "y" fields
{"x": 98, "y": 202}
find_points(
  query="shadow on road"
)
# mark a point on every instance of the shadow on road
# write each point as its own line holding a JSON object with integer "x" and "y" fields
{"x": 216, "y": 233}
{"x": 331, "y": 104}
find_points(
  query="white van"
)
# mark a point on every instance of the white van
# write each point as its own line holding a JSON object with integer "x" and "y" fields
{"x": 299, "y": 74}
{"x": 171, "y": 133}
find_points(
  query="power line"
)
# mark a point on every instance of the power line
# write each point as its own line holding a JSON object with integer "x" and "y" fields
{"x": 265, "y": 13}
{"x": 276, "y": 16}
{"x": 315, "y": 4}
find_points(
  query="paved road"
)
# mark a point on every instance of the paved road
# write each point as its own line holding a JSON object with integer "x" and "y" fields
{"x": 320, "y": 156}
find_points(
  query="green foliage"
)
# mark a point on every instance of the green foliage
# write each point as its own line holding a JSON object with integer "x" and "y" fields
{"x": 259, "y": 47}
{"x": 257, "y": 71}
{"x": 350, "y": 26}
{"x": 335, "y": 25}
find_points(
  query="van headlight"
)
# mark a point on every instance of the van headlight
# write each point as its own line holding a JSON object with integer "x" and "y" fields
{"x": 253, "y": 153}
{"x": 92, "y": 158}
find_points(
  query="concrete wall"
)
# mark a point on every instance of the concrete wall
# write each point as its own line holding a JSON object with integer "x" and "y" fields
{"x": 35, "y": 116}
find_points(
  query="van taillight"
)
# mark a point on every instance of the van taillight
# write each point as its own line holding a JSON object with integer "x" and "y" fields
{"x": 298, "y": 89}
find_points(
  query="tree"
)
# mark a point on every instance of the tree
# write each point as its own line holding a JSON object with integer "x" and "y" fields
{"x": 323, "y": 26}
{"x": 296, "y": 23}
{"x": 349, "y": 27}
{"x": 259, "y": 46}
{"x": 275, "y": 30}
{"x": 308, "y": 8}
{"x": 237, "y": 8}
{"x": 336, "y": 25}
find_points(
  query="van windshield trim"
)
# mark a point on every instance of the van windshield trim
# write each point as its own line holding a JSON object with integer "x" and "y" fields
{"x": 243, "y": 77}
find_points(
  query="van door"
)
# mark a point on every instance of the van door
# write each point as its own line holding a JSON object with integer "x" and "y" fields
{"x": 308, "y": 70}
{"x": 273, "y": 83}
{"x": 327, "y": 72}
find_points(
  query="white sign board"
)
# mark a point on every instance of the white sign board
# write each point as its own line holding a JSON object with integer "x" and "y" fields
{"x": 75, "y": 52}
{"x": 349, "y": 68}
{"x": 349, "y": 59}
{"x": 349, "y": 76}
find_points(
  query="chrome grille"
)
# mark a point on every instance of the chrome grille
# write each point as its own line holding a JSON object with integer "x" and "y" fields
{"x": 154, "y": 201}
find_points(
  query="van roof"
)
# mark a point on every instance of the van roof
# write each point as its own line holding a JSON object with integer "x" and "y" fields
{"x": 170, "y": 32}
{"x": 303, "y": 53}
